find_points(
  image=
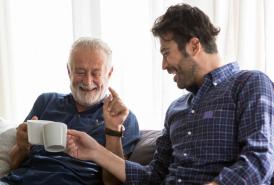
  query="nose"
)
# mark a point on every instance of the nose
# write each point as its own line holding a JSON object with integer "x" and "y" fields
{"x": 87, "y": 79}
{"x": 164, "y": 64}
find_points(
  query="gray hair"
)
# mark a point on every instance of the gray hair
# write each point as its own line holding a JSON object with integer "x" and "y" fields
{"x": 91, "y": 43}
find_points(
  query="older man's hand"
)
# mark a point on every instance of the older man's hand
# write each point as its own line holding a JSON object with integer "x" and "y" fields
{"x": 22, "y": 137}
{"x": 115, "y": 112}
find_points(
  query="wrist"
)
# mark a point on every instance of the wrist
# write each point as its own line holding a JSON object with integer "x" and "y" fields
{"x": 22, "y": 150}
{"x": 115, "y": 127}
{"x": 115, "y": 132}
{"x": 98, "y": 153}
{"x": 94, "y": 151}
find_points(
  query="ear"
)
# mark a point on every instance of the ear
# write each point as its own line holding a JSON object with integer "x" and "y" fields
{"x": 194, "y": 46}
{"x": 69, "y": 72}
{"x": 110, "y": 72}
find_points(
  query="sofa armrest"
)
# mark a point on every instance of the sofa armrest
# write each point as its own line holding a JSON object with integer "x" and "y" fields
{"x": 145, "y": 148}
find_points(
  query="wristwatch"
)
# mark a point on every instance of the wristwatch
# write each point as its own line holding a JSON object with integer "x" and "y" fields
{"x": 115, "y": 133}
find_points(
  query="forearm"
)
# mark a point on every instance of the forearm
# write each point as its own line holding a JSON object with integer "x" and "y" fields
{"x": 17, "y": 156}
{"x": 113, "y": 144}
{"x": 110, "y": 162}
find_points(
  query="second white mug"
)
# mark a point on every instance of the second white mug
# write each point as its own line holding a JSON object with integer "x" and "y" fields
{"x": 55, "y": 137}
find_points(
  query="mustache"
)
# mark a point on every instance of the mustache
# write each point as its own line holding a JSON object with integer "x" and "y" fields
{"x": 87, "y": 87}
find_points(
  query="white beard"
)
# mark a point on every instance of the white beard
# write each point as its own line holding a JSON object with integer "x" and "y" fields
{"x": 86, "y": 98}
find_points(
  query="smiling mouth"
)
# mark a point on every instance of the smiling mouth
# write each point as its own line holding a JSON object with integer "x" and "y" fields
{"x": 87, "y": 89}
{"x": 175, "y": 78}
{"x": 173, "y": 72}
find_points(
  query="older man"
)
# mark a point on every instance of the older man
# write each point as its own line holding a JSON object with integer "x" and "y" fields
{"x": 219, "y": 133}
{"x": 86, "y": 109}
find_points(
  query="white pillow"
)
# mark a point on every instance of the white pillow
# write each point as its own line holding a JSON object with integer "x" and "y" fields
{"x": 3, "y": 125}
{"x": 7, "y": 140}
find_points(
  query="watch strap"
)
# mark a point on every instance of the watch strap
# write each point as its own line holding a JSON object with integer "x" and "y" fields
{"x": 115, "y": 133}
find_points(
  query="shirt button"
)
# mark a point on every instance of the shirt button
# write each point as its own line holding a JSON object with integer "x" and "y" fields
{"x": 185, "y": 154}
{"x": 192, "y": 111}
{"x": 189, "y": 133}
{"x": 179, "y": 180}
{"x": 215, "y": 83}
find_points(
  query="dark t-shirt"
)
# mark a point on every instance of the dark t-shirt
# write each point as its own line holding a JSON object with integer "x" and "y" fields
{"x": 45, "y": 168}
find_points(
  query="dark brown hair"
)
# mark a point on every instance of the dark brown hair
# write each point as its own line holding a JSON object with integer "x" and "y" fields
{"x": 185, "y": 22}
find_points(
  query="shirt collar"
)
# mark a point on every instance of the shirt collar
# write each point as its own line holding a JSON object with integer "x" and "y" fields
{"x": 223, "y": 73}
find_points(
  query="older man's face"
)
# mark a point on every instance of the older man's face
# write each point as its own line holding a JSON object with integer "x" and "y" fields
{"x": 89, "y": 75}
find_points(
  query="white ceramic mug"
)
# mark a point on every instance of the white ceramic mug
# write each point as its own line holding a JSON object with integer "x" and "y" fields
{"x": 35, "y": 131}
{"x": 53, "y": 135}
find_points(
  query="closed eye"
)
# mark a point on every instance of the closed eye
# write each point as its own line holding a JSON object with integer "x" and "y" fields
{"x": 80, "y": 73}
{"x": 165, "y": 54}
{"x": 96, "y": 74}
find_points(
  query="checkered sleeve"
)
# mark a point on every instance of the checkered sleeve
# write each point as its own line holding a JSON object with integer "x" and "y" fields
{"x": 155, "y": 172}
{"x": 255, "y": 140}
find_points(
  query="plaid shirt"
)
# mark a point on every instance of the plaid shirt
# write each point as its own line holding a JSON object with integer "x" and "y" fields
{"x": 222, "y": 133}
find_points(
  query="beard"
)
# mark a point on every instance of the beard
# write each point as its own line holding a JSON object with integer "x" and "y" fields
{"x": 186, "y": 75}
{"x": 82, "y": 95}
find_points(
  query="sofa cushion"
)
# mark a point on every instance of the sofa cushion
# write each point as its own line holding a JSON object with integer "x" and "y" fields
{"x": 145, "y": 148}
{"x": 7, "y": 140}
{"x": 4, "y": 125}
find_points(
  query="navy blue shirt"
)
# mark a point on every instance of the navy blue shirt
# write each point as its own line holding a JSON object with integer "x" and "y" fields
{"x": 45, "y": 168}
{"x": 223, "y": 133}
